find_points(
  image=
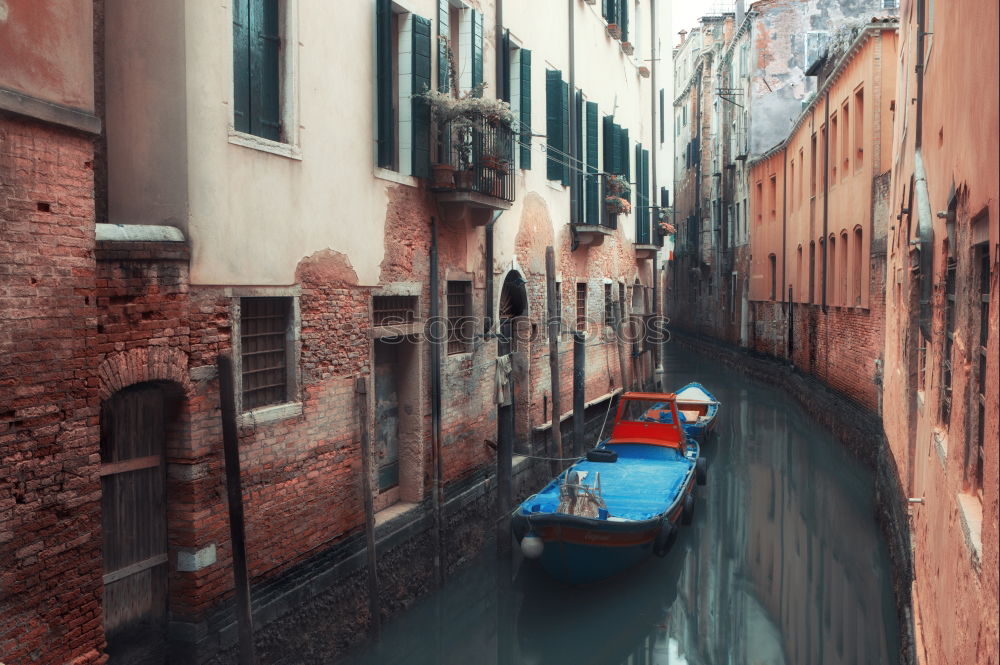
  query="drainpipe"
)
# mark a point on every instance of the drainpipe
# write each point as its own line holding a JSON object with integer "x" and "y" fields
{"x": 437, "y": 491}
{"x": 784, "y": 224}
{"x": 923, "y": 203}
{"x": 826, "y": 191}
{"x": 574, "y": 186}
{"x": 653, "y": 55}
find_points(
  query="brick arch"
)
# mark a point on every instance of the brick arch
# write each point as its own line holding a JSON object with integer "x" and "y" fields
{"x": 125, "y": 368}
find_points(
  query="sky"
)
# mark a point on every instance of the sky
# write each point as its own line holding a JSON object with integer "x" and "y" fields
{"x": 687, "y": 12}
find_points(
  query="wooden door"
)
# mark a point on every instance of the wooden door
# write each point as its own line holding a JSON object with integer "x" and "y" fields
{"x": 133, "y": 515}
{"x": 387, "y": 368}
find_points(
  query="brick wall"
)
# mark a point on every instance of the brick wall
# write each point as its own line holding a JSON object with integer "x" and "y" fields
{"x": 50, "y": 530}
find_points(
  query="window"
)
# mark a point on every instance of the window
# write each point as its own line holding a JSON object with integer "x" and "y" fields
{"x": 557, "y": 126}
{"x": 798, "y": 273}
{"x": 791, "y": 166}
{"x": 949, "y": 341}
{"x": 833, "y": 149}
{"x": 393, "y": 310}
{"x": 844, "y": 294}
{"x": 981, "y": 258}
{"x": 856, "y": 268}
{"x": 846, "y": 151}
{"x": 812, "y": 168}
{"x": 773, "y": 264}
{"x": 831, "y": 267}
{"x": 802, "y": 169}
{"x": 459, "y": 317}
{"x": 559, "y": 303}
{"x": 266, "y": 351}
{"x": 609, "y": 315}
{"x": 760, "y": 203}
{"x": 581, "y": 306}
{"x": 812, "y": 272}
{"x": 859, "y": 128}
{"x": 403, "y": 68}
{"x": 662, "y": 114}
{"x": 256, "y": 86}
{"x": 773, "y": 200}
{"x": 922, "y": 362}
{"x": 890, "y": 4}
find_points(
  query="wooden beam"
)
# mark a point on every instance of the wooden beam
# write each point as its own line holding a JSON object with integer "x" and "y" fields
{"x": 361, "y": 388}
{"x": 553, "y": 321}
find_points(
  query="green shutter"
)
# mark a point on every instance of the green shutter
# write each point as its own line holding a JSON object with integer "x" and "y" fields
{"x": 553, "y": 124}
{"x": 647, "y": 212}
{"x": 578, "y": 171}
{"x": 593, "y": 185}
{"x": 265, "y": 44}
{"x": 525, "y": 108}
{"x": 477, "y": 48}
{"x": 241, "y": 65}
{"x": 383, "y": 57}
{"x": 443, "y": 83}
{"x": 623, "y": 18}
{"x": 504, "y": 59}
{"x": 641, "y": 228}
{"x": 609, "y": 144}
{"x": 566, "y": 159}
{"x": 626, "y": 169}
{"x": 421, "y": 111}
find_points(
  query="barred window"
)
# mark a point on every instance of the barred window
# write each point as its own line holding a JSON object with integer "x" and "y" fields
{"x": 393, "y": 310}
{"x": 609, "y": 317}
{"x": 459, "y": 317}
{"x": 949, "y": 341}
{"x": 581, "y": 306}
{"x": 264, "y": 350}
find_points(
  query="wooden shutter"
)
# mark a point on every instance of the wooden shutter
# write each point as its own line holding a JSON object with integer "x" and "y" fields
{"x": 265, "y": 45}
{"x": 661, "y": 115}
{"x": 444, "y": 30}
{"x": 477, "y": 48}
{"x": 609, "y": 144}
{"x": 504, "y": 58}
{"x": 566, "y": 159}
{"x": 647, "y": 212}
{"x": 623, "y": 147}
{"x": 623, "y": 18}
{"x": 421, "y": 111}
{"x": 553, "y": 124}
{"x": 578, "y": 170}
{"x": 241, "y": 65}
{"x": 525, "y": 108}
{"x": 383, "y": 56}
{"x": 593, "y": 186}
{"x": 641, "y": 225}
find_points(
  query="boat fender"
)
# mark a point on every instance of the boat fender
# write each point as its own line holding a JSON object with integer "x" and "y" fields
{"x": 602, "y": 455}
{"x": 687, "y": 514}
{"x": 665, "y": 538}
{"x": 532, "y": 546}
{"x": 701, "y": 470}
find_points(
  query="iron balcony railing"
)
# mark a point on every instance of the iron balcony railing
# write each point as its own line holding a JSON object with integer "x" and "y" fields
{"x": 482, "y": 154}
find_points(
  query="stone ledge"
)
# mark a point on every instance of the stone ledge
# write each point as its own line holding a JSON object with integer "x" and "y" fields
{"x": 970, "y": 510}
{"x": 57, "y": 114}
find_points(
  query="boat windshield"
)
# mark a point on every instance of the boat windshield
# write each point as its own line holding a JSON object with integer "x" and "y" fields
{"x": 642, "y": 410}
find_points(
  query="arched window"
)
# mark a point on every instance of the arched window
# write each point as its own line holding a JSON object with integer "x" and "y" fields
{"x": 774, "y": 275}
{"x": 798, "y": 274}
{"x": 812, "y": 272}
{"x": 843, "y": 268}
{"x": 856, "y": 271}
{"x": 831, "y": 269}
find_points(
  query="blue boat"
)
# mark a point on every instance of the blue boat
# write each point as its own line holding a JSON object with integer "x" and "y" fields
{"x": 619, "y": 504}
{"x": 698, "y": 409}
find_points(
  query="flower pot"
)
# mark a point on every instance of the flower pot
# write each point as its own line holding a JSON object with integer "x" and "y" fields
{"x": 644, "y": 72}
{"x": 463, "y": 179}
{"x": 614, "y": 31}
{"x": 443, "y": 176}
{"x": 627, "y": 48}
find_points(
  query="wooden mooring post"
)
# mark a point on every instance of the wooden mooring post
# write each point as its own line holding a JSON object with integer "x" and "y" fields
{"x": 234, "y": 491}
{"x": 620, "y": 343}
{"x": 553, "y": 321}
{"x": 361, "y": 388}
{"x": 579, "y": 385}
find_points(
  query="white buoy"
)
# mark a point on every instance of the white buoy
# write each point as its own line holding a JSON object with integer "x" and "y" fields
{"x": 532, "y": 546}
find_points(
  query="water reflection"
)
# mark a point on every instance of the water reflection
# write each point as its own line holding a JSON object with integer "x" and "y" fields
{"x": 783, "y": 565}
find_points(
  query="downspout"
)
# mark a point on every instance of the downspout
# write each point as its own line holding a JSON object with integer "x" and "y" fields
{"x": 784, "y": 223}
{"x": 826, "y": 191}
{"x": 925, "y": 228}
{"x": 574, "y": 213}
{"x": 437, "y": 491}
{"x": 653, "y": 56}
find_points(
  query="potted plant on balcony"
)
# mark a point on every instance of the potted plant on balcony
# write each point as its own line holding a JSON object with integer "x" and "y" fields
{"x": 616, "y": 205}
{"x": 617, "y": 185}
{"x": 627, "y": 48}
{"x": 614, "y": 31}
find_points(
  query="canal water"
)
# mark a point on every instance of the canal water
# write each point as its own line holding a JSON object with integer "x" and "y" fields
{"x": 783, "y": 565}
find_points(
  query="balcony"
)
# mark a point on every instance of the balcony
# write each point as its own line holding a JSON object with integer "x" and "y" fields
{"x": 474, "y": 173}
{"x": 594, "y": 234}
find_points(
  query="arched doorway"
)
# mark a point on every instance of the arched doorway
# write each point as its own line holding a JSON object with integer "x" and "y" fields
{"x": 133, "y": 514}
{"x": 513, "y": 306}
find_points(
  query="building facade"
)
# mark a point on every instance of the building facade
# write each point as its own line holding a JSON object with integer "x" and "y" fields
{"x": 251, "y": 186}
{"x": 941, "y": 350}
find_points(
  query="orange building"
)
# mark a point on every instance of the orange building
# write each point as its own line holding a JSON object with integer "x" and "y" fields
{"x": 817, "y": 231}
{"x": 942, "y": 352}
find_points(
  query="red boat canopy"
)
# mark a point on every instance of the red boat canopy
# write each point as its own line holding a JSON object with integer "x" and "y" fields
{"x": 649, "y": 418}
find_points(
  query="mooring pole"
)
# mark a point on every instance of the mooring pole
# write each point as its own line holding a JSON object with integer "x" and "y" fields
{"x": 579, "y": 383}
{"x": 234, "y": 492}
{"x": 437, "y": 467}
{"x": 550, "y": 289}
{"x": 620, "y": 343}
{"x": 361, "y": 388}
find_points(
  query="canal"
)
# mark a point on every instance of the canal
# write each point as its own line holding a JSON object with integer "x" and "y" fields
{"x": 784, "y": 565}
